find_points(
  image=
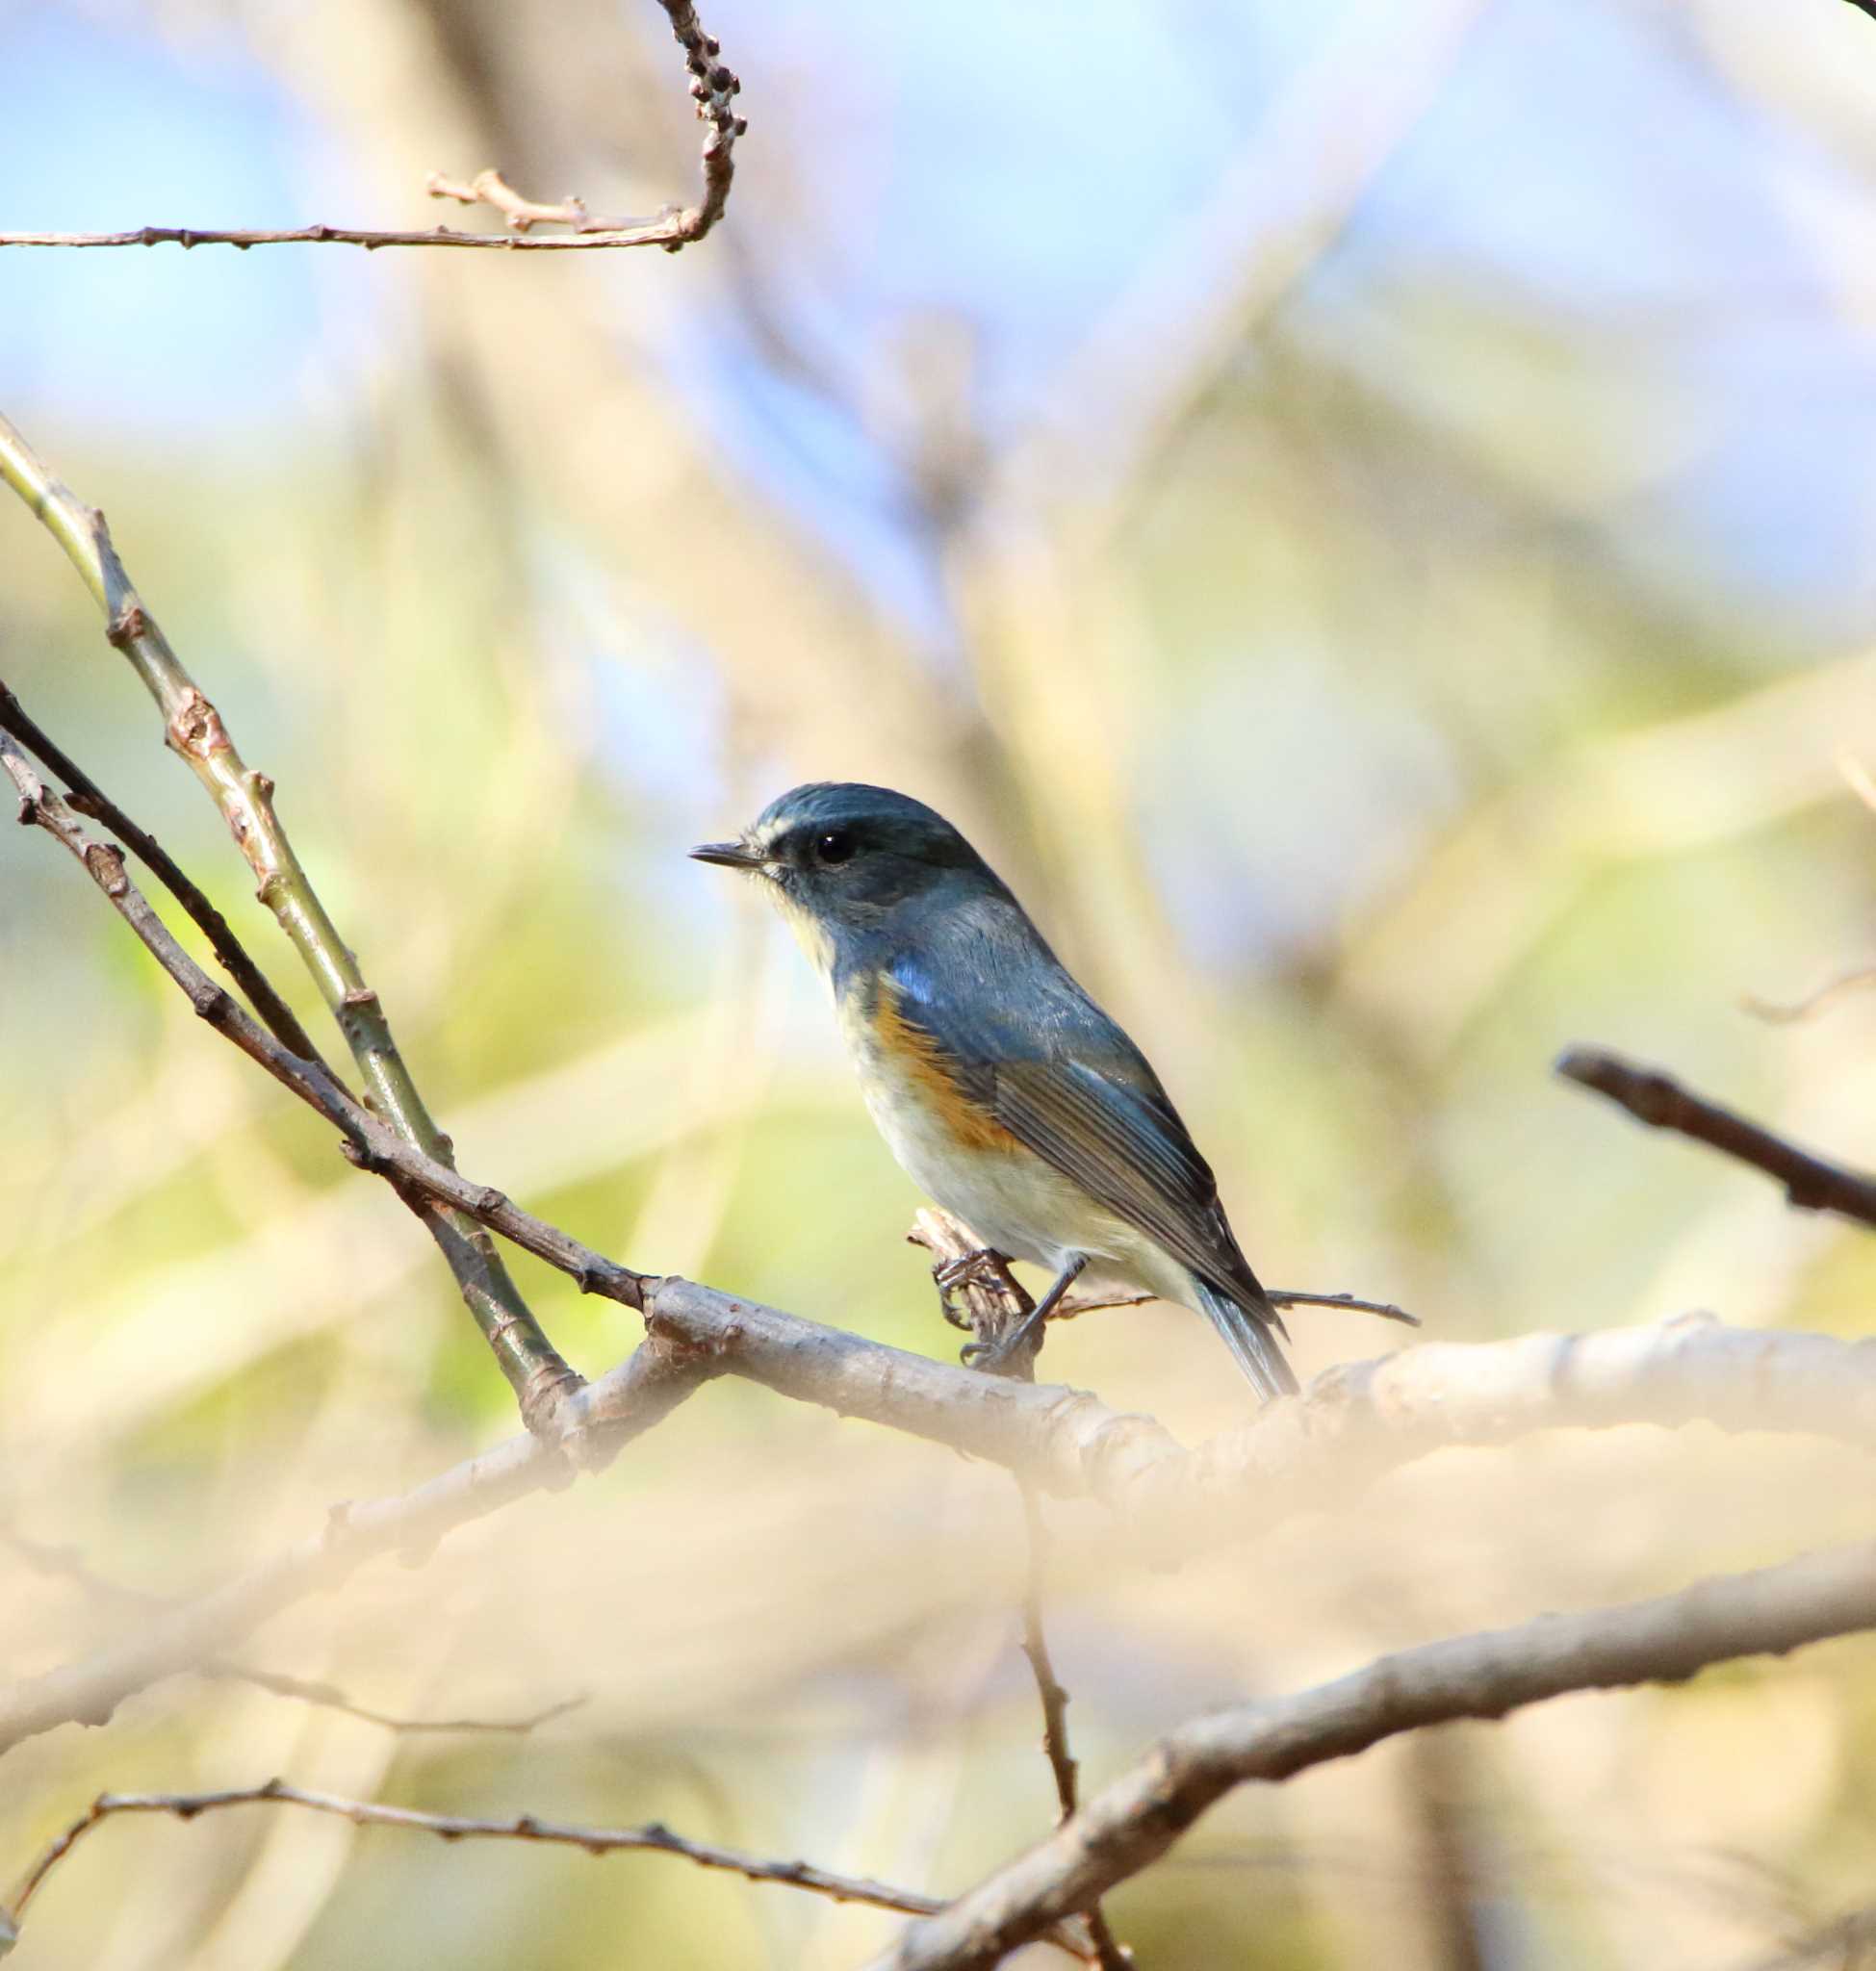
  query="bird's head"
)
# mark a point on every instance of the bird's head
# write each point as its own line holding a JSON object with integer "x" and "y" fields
{"x": 837, "y": 857}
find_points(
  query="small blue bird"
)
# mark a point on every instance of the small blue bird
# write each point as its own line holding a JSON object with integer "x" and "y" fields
{"x": 1006, "y": 1093}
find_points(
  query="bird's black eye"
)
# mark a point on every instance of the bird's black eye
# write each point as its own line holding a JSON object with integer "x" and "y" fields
{"x": 836, "y": 845}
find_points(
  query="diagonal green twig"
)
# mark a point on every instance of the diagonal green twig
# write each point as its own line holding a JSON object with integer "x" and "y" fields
{"x": 193, "y": 728}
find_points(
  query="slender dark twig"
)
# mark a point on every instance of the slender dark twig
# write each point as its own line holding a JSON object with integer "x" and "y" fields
{"x": 1650, "y": 1096}
{"x": 369, "y": 1143}
{"x": 652, "y": 1838}
{"x": 88, "y": 798}
{"x": 715, "y": 88}
{"x": 994, "y": 1306}
{"x": 1109, "y": 1954}
{"x": 1073, "y": 1304}
{"x": 193, "y": 728}
{"x": 67, "y": 1563}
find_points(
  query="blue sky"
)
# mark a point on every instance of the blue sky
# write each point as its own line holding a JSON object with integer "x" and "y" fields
{"x": 1582, "y": 168}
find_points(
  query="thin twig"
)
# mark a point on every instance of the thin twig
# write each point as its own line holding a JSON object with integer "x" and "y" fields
{"x": 715, "y": 88}
{"x": 652, "y": 1838}
{"x": 1783, "y": 1013}
{"x": 1650, "y": 1096}
{"x": 1109, "y": 1954}
{"x": 329, "y": 1697}
{"x": 90, "y": 798}
{"x": 1130, "y": 1824}
{"x": 522, "y": 213}
{"x": 67, "y": 1563}
{"x": 996, "y": 1303}
{"x": 188, "y": 1635}
{"x": 1074, "y": 1304}
{"x": 542, "y": 1381}
{"x": 993, "y": 1296}
{"x": 424, "y": 1184}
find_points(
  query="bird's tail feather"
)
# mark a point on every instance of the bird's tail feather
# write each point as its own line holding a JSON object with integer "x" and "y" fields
{"x": 1247, "y": 1332}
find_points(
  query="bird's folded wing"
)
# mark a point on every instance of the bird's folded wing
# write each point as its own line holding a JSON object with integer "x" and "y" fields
{"x": 1130, "y": 1151}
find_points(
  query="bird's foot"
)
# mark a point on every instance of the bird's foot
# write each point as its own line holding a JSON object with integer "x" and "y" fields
{"x": 955, "y": 1273}
{"x": 993, "y": 1357}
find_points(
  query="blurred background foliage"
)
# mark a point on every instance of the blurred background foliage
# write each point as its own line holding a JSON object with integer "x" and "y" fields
{"x": 1365, "y": 513}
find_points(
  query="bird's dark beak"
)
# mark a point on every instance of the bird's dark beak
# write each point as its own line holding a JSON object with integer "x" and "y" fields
{"x": 730, "y": 854}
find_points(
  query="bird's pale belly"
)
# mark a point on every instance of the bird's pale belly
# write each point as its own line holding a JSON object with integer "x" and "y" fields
{"x": 1012, "y": 1198}
{"x": 1009, "y": 1197}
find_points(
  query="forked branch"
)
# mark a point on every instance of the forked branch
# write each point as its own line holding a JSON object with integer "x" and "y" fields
{"x": 714, "y": 86}
{"x": 1129, "y": 1825}
{"x": 193, "y": 728}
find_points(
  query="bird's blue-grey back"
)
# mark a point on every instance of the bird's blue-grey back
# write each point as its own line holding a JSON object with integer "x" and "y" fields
{"x": 921, "y": 920}
{"x": 1029, "y": 1045}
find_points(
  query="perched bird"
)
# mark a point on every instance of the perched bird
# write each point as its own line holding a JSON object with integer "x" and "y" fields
{"x": 1006, "y": 1093}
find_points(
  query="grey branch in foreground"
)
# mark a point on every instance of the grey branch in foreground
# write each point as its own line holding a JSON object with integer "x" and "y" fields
{"x": 1349, "y": 1426}
{"x": 715, "y": 89}
{"x": 1130, "y": 1824}
{"x": 653, "y": 1838}
{"x": 1810, "y": 1184}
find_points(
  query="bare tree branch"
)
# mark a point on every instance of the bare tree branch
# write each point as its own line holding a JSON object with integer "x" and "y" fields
{"x": 192, "y": 726}
{"x": 653, "y": 1838}
{"x": 960, "y": 1260}
{"x": 1109, "y": 1953}
{"x": 329, "y": 1697}
{"x": 188, "y": 1635}
{"x": 715, "y": 88}
{"x": 1810, "y": 1184}
{"x": 996, "y": 1303}
{"x": 424, "y": 1184}
{"x": 67, "y": 1563}
{"x": 1132, "y": 1823}
{"x": 88, "y": 798}
{"x": 1073, "y": 1304}
{"x": 1784, "y": 1012}
{"x": 1353, "y": 1423}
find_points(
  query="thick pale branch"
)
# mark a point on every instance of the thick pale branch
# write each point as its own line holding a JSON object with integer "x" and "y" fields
{"x": 714, "y": 86}
{"x": 194, "y": 1635}
{"x": 1657, "y": 1099}
{"x": 1130, "y": 1824}
{"x": 1298, "y": 1455}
